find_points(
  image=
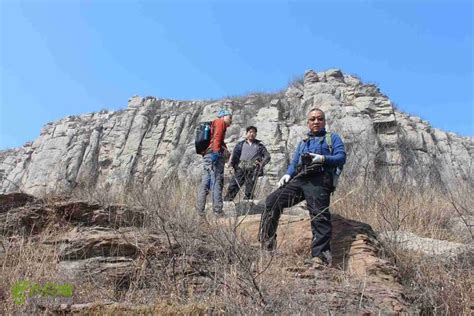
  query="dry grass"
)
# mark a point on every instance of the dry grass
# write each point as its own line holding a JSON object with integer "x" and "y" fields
{"x": 27, "y": 259}
{"x": 397, "y": 207}
{"x": 437, "y": 287}
{"x": 434, "y": 285}
{"x": 211, "y": 268}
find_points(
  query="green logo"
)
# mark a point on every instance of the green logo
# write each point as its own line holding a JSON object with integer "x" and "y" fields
{"x": 22, "y": 290}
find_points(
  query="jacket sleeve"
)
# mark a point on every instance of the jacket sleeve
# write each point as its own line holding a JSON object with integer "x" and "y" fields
{"x": 265, "y": 155}
{"x": 235, "y": 159}
{"x": 219, "y": 135}
{"x": 338, "y": 157}
{"x": 294, "y": 162}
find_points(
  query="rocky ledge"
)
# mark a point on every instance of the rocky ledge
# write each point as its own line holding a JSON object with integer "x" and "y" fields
{"x": 110, "y": 245}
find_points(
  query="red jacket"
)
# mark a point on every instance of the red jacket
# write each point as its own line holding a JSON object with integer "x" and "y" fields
{"x": 218, "y": 129}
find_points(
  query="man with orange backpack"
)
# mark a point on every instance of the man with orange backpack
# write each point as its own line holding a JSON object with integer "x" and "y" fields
{"x": 214, "y": 158}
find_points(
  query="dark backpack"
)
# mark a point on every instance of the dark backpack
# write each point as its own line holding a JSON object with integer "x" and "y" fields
{"x": 203, "y": 137}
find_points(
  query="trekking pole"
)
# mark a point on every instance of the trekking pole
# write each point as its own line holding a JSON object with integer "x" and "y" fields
{"x": 235, "y": 178}
{"x": 256, "y": 172}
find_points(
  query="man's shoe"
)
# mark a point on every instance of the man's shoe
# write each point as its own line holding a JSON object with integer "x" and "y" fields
{"x": 318, "y": 263}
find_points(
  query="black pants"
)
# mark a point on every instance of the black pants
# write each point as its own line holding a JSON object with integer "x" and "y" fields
{"x": 316, "y": 190}
{"x": 247, "y": 177}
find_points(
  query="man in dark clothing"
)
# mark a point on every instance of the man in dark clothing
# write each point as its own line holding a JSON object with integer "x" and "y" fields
{"x": 248, "y": 159}
{"x": 309, "y": 177}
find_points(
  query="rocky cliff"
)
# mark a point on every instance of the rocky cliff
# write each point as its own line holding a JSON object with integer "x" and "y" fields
{"x": 153, "y": 139}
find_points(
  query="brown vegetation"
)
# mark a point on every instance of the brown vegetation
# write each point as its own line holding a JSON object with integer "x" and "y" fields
{"x": 215, "y": 266}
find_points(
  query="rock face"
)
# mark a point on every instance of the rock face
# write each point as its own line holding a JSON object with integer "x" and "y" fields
{"x": 153, "y": 139}
{"x": 102, "y": 242}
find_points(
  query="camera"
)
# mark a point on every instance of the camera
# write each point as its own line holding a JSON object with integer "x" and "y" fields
{"x": 306, "y": 159}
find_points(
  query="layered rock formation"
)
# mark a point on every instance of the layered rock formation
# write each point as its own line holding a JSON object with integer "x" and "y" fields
{"x": 153, "y": 139}
{"x": 110, "y": 246}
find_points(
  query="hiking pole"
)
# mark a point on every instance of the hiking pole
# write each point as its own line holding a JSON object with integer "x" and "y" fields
{"x": 256, "y": 172}
{"x": 236, "y": 179}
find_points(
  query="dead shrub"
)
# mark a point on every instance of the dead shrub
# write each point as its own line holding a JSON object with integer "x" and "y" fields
{"x": 208, "y": 266}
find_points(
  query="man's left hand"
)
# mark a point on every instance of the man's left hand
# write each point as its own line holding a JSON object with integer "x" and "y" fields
{"x": 317, "y": 158}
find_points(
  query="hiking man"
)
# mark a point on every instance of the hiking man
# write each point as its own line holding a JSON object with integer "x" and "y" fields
{"x": 309, "y": 177}
{"x": 248, "y": 159}
{"x": 214, "y": 158}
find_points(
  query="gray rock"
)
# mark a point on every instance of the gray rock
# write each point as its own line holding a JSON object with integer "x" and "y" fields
{"x": 99, "y": 269}
{"x": 310, "y": 76}
{"x": 152, "y": 140}
{"x": 243, "y": 207}
{"x": 334, "y": 74}
{"x": 82, "y": 243}
{"x": 135, "y": 101}
{"x": 427, "y": 246}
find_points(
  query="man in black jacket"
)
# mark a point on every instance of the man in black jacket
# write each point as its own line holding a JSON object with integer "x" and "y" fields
{"x": 248, "y": 159}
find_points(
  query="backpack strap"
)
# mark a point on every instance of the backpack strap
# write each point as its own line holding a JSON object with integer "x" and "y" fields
{"x": 329, "y": 141}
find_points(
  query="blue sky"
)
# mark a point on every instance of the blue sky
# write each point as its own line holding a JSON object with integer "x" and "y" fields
{"x": 60, "y": 58}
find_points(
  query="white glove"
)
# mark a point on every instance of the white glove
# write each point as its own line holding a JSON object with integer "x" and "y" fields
{"x": 317, "y": 158}
{"x": 284, "y": 180}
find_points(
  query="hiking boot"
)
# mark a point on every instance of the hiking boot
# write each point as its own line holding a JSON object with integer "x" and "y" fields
{"x": 320, "y": 261}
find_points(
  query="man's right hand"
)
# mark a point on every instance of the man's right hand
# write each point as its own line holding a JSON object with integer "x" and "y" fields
{"x": 284, "y": 180}
{"x": 317, "y": 158}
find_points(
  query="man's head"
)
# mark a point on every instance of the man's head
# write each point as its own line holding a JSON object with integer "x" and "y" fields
{"x": 316, "y": 120}
{"x": 251, "y": 133}
{"x": 226, "y": 115}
